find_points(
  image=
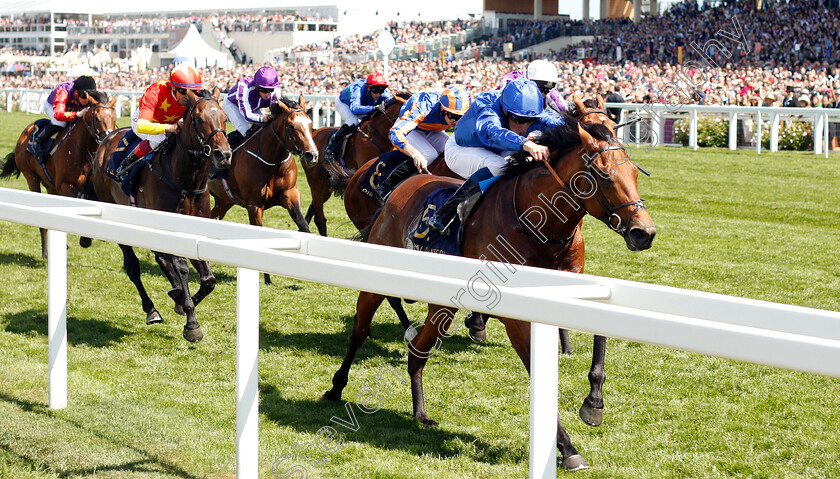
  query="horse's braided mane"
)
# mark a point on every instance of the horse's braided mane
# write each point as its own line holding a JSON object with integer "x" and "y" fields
{"x": 559, "y": 141}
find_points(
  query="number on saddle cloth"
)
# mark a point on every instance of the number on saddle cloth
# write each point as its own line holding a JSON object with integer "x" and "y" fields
{"x": 125, "y": 146}
{"x": 427, "y": 239}
{"x": 33, "y": 137}
{"x": 379, "y": 171}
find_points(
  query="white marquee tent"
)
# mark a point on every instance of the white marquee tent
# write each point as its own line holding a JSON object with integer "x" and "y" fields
{"x": 196, "y": 52}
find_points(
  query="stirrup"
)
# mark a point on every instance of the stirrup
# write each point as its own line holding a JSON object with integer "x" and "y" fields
{"x": 437, "y": 224}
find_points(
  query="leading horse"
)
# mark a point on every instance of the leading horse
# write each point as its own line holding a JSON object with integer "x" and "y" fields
{"x": 263, "y": 172}
{"x": 589, "y": 172}
{"x": 65, "y": 171}
{"x": 174, "y": 180}
{"x": 368, "y": 141}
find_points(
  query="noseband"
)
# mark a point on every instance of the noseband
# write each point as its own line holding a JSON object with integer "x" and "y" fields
{"x": 97, "y": 136}
{"x": 204, "y": 150}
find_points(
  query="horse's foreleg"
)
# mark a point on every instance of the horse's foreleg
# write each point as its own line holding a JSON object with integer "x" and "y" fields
{"x": 565, "y": 344}
{"x": 34, "y": 185}
{"x": 420, "y": 349}
{"x": 519, "y": 333}
{"x": 366, "y": 306}
{"x": 592, "y": 410}
{"x": 177, "y": 270}
{"x": 132, "y": 268}
{"x": 221, "y": 205}
{"x": 396, "y": 305}
{"x": 295, "y": 213}
{"x": 208, "y": 281}
{"x": 255, "y": 217}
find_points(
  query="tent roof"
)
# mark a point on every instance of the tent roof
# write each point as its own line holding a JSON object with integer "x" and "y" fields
{"x": 193, "y": 46}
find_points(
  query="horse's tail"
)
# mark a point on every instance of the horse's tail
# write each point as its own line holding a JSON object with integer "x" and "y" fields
{"x": 9, "y": 166}
{"x": 364, "y": 233}
{"x": 339, "y": 177}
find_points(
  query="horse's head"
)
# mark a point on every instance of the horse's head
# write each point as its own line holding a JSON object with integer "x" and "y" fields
{"x": 591, "y": 112}
{"x": 293, "y": 129}
{"x": 603, "y": 180}
{"x": 100, "y": 118}
{"x": 204, "y": 124}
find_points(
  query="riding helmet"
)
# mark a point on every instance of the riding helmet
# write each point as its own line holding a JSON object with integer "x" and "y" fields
{"x": 455, "y": 99}
{"x": 185, "y": 76}
{"x": 266, "y": 77}
{"x": 522, "y": 97}
{"x": 84, "y": 83}
{"x": 376, "y": 79}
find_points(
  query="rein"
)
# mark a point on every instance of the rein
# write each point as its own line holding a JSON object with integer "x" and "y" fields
{"x": 205, "y": 149}
{"x": 374, "y": 133}
{"x": 92, "y": 128}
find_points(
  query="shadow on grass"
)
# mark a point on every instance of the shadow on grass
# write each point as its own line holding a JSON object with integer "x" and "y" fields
{"x": 385, "y": 428}
{"x": 92, "y": 332}
{"x": 152, "y": 464}
{"x": 335, "y": 344}
{"x": 22, "y": 259}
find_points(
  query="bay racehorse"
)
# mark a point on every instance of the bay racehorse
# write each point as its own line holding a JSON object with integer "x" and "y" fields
{"x": 175, "y": 180}
{"x": 589, "y": 172}
{"x": 65, "y": 171}
{"x": 263, "y": 172}
{"x": 368, "y": 141}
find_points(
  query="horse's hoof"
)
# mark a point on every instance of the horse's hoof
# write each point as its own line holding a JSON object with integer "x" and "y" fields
{"x": 180, "y": 310}
{"x": 331, "y": 396}
{"x": 267, "y": 280}
{"x": 593, "y": 416}
{"x": 153, "y": 317}
{"x": 193, "y": 335}
{"x": 428, "y": 423}
{"x": 575, "y": 463}
{"x": 410, "y": 333}
{"x": 84, "y": 242}
{"x": 478, "y": 335}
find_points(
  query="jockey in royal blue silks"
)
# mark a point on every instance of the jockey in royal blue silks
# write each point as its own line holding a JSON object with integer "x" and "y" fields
{"x": 497, "y": 123}
{"x": 419, "y": 132}
{"x": 357, "y": 100}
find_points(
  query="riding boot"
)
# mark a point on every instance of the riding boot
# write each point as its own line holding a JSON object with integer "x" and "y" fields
{"x": 331, "y": 152}
{"x": 400, "y": 173}
{"x": 235, "y": 139}
{"x": 136, "y": 155}
{"x": 443, "y": 217}
{"x": 43, "y": 135}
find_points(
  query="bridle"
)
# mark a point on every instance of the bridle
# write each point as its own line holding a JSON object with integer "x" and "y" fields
{"x": 296, "y": 149}
{"x": 383, "y": 112}
{"x": 204, "y": 150}
{"x": 97, "y": 136}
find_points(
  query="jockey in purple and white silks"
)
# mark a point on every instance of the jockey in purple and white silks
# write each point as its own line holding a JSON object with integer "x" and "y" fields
{"x": 244, "y": 102}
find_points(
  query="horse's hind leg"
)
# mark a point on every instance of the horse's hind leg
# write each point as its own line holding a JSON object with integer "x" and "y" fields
{"x": 396, "y": 305}
{"x": 132, "y": 268}
{"x": 177, "y": 269}
{"x": 34, "y": 185}
{"x": 366, "y": 306}
{"x": 421, "y": 348}
{"x": 255, "y": 217}
{"x": 208, "y": 281}
{"x": 592, "y": 410}
{"x": 565, "y": 344}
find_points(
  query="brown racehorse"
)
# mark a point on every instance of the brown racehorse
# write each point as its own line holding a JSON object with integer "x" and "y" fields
{"x": 368, "y": 141}
{"x": 173, "y": 180}
{"x": 66, "y": 170}
{"x": 263, "y": 172}
{"x": 589, "y": 173}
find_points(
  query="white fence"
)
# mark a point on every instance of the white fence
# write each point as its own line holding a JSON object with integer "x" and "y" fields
{"x": 745, "y": 123}
{"x": 766, "y": 333}
{"x": 320, "y": 107}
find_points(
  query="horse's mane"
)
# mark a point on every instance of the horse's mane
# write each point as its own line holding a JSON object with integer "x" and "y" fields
{"x": 405, "y": 95}
{"x": 559, "y": 141}
{"x": 274, "y": 108}
{"x": 99, "y": 95}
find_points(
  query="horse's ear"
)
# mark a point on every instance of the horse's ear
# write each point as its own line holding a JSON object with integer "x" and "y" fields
{"x": 113, "y": 101}
{"x": 192, "y": 97}
{"x": 600, "y": 100}
{"x": 217, "y": 93}
{"x": 589, "y": 142}
{"x": 302, "y": 101}
{"x": 579, "y": 104}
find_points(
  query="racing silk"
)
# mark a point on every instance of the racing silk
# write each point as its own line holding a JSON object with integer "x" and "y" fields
{"x": 486, "y": 126}
{"x": 158, "y": 107}
{"x": 246, "y": 97}
{"x": 64, "y": 102}
{"x": 422, "y": 111}
{"x": 510, "y": 76}
{"x": 358, "y": 98}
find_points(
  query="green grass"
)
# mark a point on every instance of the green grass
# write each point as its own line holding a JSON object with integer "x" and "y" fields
{"x": 143, "y": 403}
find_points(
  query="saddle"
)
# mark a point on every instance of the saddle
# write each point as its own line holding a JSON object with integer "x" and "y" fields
{"x": 427, "y": 239}
{"x": 380, "y": 170}
{"x": 48, "y": 144}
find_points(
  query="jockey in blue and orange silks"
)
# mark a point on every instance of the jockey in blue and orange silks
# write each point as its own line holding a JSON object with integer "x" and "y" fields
{"x": 244, "y": 102}
{"x": 355, "y": 101}
{"x": 419, "y": 132}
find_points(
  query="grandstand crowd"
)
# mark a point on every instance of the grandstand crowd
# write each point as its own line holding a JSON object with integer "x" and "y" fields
{"x": 787, "y": 54}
